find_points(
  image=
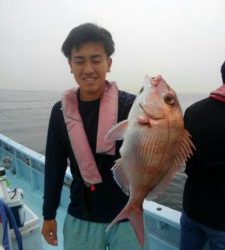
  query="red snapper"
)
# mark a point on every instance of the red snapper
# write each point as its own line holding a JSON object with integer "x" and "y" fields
{"x": 155, "y": 145}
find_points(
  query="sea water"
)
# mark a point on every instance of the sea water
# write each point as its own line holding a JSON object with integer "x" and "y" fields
{"x": 24, "y": 117}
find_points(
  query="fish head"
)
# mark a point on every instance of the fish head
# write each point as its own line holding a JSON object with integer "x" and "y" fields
{"x": 158, "y": 101}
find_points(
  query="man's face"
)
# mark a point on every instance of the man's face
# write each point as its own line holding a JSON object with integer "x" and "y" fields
{"x": 89, "y": 65}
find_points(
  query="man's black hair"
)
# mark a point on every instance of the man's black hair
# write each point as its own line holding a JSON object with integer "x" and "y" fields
{"x": 88, "y": 32}
{"x": 223, "y": 72}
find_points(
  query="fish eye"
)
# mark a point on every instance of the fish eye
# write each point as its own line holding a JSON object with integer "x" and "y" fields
{"x": 169, "y": 99}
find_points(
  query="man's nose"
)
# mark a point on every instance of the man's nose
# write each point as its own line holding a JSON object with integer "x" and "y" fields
{"x": 88, "y": 67}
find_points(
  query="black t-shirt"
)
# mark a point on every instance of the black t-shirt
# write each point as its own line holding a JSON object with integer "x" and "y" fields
{"x": 204, "y": 191}
{"x": 107, "y": 200}
{"x": 89, "y": 113}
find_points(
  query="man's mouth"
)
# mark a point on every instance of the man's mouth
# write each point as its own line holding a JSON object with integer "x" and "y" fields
{"x": 89, "y": 79}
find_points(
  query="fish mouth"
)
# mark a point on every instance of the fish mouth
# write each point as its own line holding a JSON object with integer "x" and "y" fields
{"x": 154, "y": 117}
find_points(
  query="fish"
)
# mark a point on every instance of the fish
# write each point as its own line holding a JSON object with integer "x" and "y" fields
{"x": 155, "y": 146}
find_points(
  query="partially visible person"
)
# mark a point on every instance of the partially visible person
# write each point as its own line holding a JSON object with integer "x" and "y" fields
{"x": 203, "y": 217}
{"x": 77, "y": 127}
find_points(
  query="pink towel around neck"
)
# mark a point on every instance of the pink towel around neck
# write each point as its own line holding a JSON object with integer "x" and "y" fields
{"x": 107, "y": 118}
{"x": 219, "y": 94}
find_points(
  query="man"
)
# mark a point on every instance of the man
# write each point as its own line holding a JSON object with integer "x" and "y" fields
{"x": 77, "y": 128}
{"x": 203, "y": 218}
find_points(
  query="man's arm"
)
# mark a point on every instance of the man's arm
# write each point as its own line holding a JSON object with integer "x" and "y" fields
{"x": 55, "y": 167}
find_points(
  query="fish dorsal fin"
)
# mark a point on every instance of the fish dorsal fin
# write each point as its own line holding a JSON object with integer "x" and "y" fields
{"x": 119, "y": 176}
{"x": 178, "y": 157}
{"x": 117, "y": 131}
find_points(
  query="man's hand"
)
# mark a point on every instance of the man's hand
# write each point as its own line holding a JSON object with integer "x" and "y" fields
{"x": 49, "y": 231}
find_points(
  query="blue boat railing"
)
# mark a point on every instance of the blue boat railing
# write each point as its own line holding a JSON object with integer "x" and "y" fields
{"x": 163, "y": 223}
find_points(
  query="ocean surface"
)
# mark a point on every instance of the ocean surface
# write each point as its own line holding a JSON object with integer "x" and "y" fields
{"x": 24, "y": 117}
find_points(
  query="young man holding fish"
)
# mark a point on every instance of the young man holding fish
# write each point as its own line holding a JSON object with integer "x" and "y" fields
{"x": 77, "y": 128}
{"x": 203, "y": 218}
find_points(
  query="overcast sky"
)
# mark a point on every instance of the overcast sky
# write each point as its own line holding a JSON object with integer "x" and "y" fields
{"x": 183, "y": 40}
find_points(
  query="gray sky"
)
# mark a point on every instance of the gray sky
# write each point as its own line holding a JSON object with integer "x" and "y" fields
{"x": 183, "y": 40}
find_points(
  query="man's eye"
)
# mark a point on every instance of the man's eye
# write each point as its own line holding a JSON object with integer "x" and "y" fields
{"x": 96, "y": 60}
{"x": 79, "y": 62}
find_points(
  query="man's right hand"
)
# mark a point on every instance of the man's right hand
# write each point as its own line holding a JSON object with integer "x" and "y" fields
{"x": 49, "y": 231}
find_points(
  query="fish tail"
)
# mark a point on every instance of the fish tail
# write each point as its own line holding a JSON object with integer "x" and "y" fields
{"x": 135, "y": 216}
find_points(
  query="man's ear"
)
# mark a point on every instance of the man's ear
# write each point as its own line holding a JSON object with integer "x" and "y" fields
{"x": 109, "y": 62}
{"x": 70, "y": 65}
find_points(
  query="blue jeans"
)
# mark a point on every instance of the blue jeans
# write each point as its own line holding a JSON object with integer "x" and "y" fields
{"x": 195, "y": 235}
{"x": 85, "y": 235}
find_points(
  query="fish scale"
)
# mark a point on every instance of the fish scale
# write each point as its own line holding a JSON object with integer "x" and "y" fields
{"x": 152, "y": 144}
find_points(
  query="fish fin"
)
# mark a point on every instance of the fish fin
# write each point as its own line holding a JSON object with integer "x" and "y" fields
{"x": 185, "y": 150}
{"x": 135, "y": 216}
{"x": 119, "y": 176}
{"x": 117, "y": 131}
